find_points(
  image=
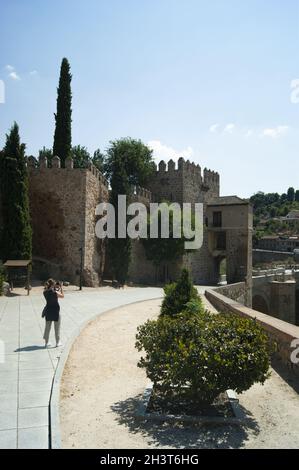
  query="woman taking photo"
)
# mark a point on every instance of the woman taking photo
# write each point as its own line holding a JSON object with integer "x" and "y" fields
{"x": 52, "y": 292}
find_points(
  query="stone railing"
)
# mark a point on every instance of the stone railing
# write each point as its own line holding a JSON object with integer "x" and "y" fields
{"x": 281, "y": 332}
{"x": 235, "y": 291}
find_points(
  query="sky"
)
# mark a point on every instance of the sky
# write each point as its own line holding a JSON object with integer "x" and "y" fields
{"x": 216, "y": 81}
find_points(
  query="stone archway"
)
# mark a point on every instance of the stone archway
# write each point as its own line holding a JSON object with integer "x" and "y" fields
{"x": 260, "y": 303}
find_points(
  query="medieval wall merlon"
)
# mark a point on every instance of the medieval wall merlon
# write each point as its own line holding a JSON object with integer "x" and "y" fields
{"x": 140, "y": 194}
{"x": 210, "y": 177}
{"x": 181, "y": 167}
{"x": 211, "y": 181}
{"x": 42, "y": 164}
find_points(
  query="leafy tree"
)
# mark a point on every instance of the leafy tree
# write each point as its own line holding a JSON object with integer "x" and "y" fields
{"x": 119, "y": 249}
{"x": 163, "y": 250}
{"x": 81, "y": 156}
{"x": 16, "y": 239}
{"x": 291, "y": 194}
{"x": 98, "y": 161}
{"x": 128, "y": 162}
{"x": 137, "y": 160}
{"x": 297, "y": 195}
{"x": 273, "y": 211}
{"x": 63, "y": 117}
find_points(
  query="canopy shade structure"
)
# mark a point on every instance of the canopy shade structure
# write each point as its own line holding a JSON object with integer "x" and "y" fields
{"x": 20, "y": 263}
{"x": 17, "y": 263}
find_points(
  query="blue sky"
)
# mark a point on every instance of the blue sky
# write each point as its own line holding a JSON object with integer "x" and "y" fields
{"x": 207, "y": 80}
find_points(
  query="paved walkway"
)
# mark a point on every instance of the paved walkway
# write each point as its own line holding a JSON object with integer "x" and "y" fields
{"x": 27, "y": 372}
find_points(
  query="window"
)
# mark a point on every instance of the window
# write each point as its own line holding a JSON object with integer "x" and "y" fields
{"x": 220, "y": 241}
{"x": 217, "y": 219}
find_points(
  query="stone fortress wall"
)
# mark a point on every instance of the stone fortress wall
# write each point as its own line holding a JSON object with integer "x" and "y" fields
{"x": 187, "y": 183}
{"x": 62, "y": 205}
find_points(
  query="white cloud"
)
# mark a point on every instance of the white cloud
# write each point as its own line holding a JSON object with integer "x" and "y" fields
{"x": 213, "y": 128}
{"x": 229, "y": 128}
{"x": 14, "y": 76}
{"x": 163, "y": 152}
{"x": 249, "y": 133}
{"x": 9, "y": 68}
{"x": 33, "y": 72}
{"x": 275, "y": 132}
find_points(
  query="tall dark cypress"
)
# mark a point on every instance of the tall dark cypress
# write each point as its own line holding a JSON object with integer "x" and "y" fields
{"x": 63, "y": 117}
{"x": 16, "y": 238}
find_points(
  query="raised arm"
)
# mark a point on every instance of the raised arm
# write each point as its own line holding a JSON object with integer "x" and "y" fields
{"x": 60, "y": 294}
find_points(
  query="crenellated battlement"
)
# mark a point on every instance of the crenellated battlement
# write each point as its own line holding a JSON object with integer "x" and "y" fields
{"x": 210, "y": 177}
{"x": 182, "y": 166}
{"x": 140, "y": 194}
{"x": 42, "y": 164}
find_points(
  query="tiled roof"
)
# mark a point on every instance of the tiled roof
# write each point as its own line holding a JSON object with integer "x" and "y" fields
{"x": 227, "y": 200}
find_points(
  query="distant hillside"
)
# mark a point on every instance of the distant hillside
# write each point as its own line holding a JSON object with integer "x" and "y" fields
{"x": 270, "y": 210}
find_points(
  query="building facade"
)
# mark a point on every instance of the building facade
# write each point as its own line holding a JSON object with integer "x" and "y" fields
{"x": 63, "y": 203}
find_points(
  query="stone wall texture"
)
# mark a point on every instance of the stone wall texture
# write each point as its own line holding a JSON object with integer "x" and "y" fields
{"x": 280, "y": 332}
{"x": 62, "y": 205}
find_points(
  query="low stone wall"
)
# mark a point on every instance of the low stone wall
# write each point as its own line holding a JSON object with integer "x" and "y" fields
{"x": 234, "y": 291}
{"x": 281, "y": 332}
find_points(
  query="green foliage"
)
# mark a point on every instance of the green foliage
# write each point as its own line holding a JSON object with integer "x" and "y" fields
{"x": 203, "y": 355}
{"x": 127, "y": 162}
{"x": 137, "y": 160}
{"x": 16, "y": 237}
{"x": 119, "y": 249}
{"x": 81, "y": 156}
{"x": 178, "y": 294}
{"x": 63, "y": 117}
{"x": 291, "y": 194}
{"x": 163, "y": 250}
{"x": 270, "y": 207}
{"x": 2, "y": 278}
{"x": 98, "y": 160}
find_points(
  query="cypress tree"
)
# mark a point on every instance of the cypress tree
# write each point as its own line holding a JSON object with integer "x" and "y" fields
{"x": 63, "y": 117}
{"x": 16, "y": 241}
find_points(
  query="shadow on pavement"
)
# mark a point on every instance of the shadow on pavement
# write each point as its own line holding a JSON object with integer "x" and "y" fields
{"x": 29, "y": 348}
{"x": 176, "y": 435}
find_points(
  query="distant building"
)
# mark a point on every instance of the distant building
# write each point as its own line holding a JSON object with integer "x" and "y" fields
{"x": 278, "y": 243}
{"x": 293, "y": 215}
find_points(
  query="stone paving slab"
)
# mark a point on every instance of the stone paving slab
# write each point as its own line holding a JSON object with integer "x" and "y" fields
{"x": 34, "y": 438}
{"x": 8, "y": 439}
{"x": 32, "y": 418}
{"x": 8, "y": 418}
{"x": 27, "y": 374}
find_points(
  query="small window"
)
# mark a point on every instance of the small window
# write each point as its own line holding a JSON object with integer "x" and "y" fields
{"x": 217, "y": 219}
{"x": 220, "y": 241}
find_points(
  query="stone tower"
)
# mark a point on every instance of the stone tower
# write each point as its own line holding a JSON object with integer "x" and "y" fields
{"x": 62, "y": 205}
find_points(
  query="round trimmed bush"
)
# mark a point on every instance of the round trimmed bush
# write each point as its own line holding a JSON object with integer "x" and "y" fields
{"x": 200, "y": 356}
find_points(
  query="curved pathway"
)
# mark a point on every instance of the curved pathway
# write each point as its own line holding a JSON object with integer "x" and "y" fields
{"x": 27, "y": 369}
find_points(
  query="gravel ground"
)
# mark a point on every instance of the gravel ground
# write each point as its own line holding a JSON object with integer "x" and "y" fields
{"x": 101, "y": 388}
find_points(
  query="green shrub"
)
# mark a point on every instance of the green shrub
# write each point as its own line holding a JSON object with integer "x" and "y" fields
{"x": 178, "y": 294}
{"x": 2, "y": 278}
{"x": 201, "y": 356}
